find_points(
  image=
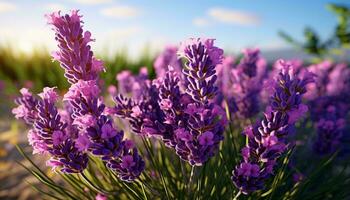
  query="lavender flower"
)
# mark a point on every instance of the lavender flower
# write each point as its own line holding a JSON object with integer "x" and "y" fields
{"x": 202, "y": 57}
{"x": 66, "y": 156}
{"x": 329, "y": 106}
{"x": 239, "y": 85}
{"x": 133, "y": 85}
{"x": 95, "y": 130}
{"x": 130, "y": 164}
{"x": 83, "y": 99}
{"x": 267, "y": 140}
{"x": 224, "y": 81}
{"x": 167, "y": 58}
{"x": 245, "y": 84}
{"x": 187, "y": 122}
{"x": 75, "y": 53}
{"x": 26, "y": 109}
{"x": 50, "y": 132}
{"x": 330, "y": 130}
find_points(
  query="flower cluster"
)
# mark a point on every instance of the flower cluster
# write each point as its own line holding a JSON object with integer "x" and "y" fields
{"x": 267, "y": 139}
{"x": 165, "y": 59}
{"x": 48, "y": 133}
{"x": 239, "y": 84}
{"x": 190, "y": 121}
{"x": 183, "y": 108}
{"x": 132, "y": 85}
{"x": 329, "y": 106}
{"x": 26, "y": 107}
{"x": 84, "y": 127}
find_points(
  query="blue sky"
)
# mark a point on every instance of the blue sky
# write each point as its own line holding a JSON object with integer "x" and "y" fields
{"x": 134, "y": 24}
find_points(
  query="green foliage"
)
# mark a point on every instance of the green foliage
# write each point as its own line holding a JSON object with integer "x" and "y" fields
{"x": 313, "y": 44}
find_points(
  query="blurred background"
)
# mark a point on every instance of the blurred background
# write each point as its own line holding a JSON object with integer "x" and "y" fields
{"x": 130, "y": 34}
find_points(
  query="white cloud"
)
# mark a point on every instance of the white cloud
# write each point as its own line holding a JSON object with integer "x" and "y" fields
{"x": 121, "y": 12}
{"x": 92, "y": 2}
{"x": 7, "y": 7}
{"x": 55, "y": 7}
{"x": 233, "y": 17}
{"x": 201, "y": 22}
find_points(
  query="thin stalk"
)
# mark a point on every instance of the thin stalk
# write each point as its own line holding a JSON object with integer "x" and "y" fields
{"x": 99, "y": 190}
{"x": 190, "y": 182}
{"x": 149, "y": 151}
{"x": 237, "y": 195}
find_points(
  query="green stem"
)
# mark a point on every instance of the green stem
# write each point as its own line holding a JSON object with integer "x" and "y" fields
{"x": 99, "y": 190}
{"x": 190, "y": 182}
{"x": 237, "y": 195}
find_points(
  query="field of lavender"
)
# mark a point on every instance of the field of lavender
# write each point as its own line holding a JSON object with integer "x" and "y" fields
{"x": 193, "y": 123}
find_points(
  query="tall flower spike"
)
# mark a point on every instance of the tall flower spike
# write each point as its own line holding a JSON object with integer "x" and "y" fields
{"x": 201, "y": 59}
{"x": 169, "y": 100}
{"x": 167, "y": 58}
{"x": 129, "y": 165}
{"x": 245, "y": 82}
{"x": 330, "y": 129}
{"x": 266, "y": 141}
{"x": 74, "y": 53}
{"x": 50, "y": 131}
{"x": 26, "y": 108}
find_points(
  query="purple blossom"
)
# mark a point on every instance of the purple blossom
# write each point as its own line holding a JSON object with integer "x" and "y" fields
{"x": 108, "y": 131}
{"x": 224, "y": 81}
{"x": 330, "y": 129}
{"x": 329, "y": 106}
{"x": 245, "y": 79}
{"x": 167, "y": 58}
{"x": 39, "y": 147}
{"x": 240, "y": 84}
{"x": 74, "y": 54}
{"x": 50, "y": 131}
{"x": 26, "y": 109}
{"x": 68, "y": 158}
{"x": 133, "y": 85}
{"x": 201, "y": 59}
{"x": 84, "y": 127}
{"x": 101, "y": 197}
{"x": 267, "y": 140}
{"x": 129, "y": 165}
{"x": 58, "y": 137}
{"x": 84, "y": 89}
{"x": 82, "y": 143}
{"x": 49, "y": 94}
{"x": 206, "y": 139}
{"x": 179, "y": 119}
{"x": 84, "y": 121}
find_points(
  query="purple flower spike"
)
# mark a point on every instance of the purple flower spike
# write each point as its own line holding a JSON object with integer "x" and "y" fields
{"x": 133, "y": 85}
{"x": 192, "y": 126}
{"x": 245, "y": 80}
{"x": 85, "y": 126}
{"x": 68, "y": 158}
{"x": 75, "y": 54}
{"x": 201, "y": 59}
{"x": 267, "y": 140}
{"x": 129, "y": 165}
{"x": 26, "y": 109}
{"x": 330, "y": 129}
{"x": 167, "y": 58}
{"x": 50, "y": 131}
